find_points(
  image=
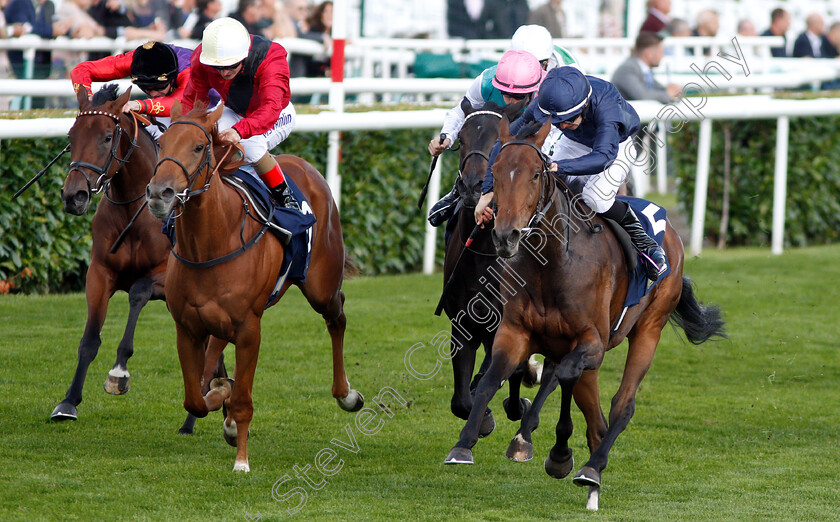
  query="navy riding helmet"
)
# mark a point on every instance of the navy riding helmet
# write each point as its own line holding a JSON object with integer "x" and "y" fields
{"x": 564, "y": 94}
{"x": 154, "y": 66}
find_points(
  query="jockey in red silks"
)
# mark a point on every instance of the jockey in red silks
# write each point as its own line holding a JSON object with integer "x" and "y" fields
{"x": 251, "y": 75}
{"x": 160, "y": 70}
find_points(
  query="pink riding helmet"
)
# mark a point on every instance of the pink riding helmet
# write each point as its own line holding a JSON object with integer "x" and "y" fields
{"x": 518, "y": 72}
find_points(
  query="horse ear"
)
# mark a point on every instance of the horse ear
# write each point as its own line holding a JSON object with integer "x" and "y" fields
{"x": 82, "y": 98}
{"x": 122, "y": 100}
{"x": 466, "y": 106}
{"x": 177, "y": 110}
{"x": 215, "y": 115}
{"x": 512, "y": 110}
{"x": 504, "y": 130}
{"x": 543, "y": 132}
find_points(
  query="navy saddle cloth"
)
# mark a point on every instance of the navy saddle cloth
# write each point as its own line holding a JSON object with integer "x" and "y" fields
{"x": 652, "y": 218}
{"x": 292, "y": 227}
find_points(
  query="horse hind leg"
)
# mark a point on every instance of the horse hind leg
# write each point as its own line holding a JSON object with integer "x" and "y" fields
{"x": 348, "y": 398}
{"x": 117, "y": 382}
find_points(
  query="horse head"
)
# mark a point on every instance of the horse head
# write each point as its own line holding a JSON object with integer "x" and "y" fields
{"x": 187, "y": 157}
{"x": 95, "y": 142}
{"x": 478, "y": 135}
{"x": 521, "y": 184}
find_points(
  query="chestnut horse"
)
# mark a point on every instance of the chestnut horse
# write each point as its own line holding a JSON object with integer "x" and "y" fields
{"x": 227, "y": 299}
{"x": 472, "y": 301}
{"x": 570, "y": 309}
{"x": 111, "y": 153}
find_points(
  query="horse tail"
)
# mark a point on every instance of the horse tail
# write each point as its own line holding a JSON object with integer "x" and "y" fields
{"x": 351, "y": 269}
{"x": 700, "y": 323}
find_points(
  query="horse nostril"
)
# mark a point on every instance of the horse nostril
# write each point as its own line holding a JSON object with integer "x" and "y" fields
{"x": 148, "y": 192}
{"x": 513, "y": 238}
{"x": 81, "y": 196}
{"x": 167, "y": 194}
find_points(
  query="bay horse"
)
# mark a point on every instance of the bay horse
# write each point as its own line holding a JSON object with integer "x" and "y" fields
{"x": 111, "y": 153}
{"x": 472, "y": 300}
{"x": 570, "y": 309}
{"x": 227, "y": 299}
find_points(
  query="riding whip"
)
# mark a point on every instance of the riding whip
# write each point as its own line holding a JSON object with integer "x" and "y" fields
{"x": 431, "y": 169}
{"x": 38, "y": 175}
{"x": 467, "y": 244}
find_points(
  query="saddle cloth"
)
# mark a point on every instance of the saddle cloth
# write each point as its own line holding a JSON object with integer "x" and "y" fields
{"x": 292, "y": 227}
{"x": 652, "y": 218}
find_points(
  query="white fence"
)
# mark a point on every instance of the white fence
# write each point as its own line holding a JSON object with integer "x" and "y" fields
{"x": 688, "y": 109}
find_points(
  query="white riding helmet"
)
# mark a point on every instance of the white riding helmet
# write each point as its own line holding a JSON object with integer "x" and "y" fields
{"x": 532, "y": 38}
{"x": 225, "y": 42}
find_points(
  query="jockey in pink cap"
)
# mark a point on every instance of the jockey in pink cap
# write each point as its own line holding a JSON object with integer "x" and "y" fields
{"x": 516, "y": 77}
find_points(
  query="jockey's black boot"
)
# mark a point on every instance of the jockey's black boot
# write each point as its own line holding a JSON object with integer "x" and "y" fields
{"x": 443, "y": 209}
{"x": 653, "y": 257}
{"x": 282, "y": 194}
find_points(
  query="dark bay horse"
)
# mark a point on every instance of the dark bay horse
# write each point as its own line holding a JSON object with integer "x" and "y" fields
{"x": 576, "y": 282}
{"x": 472, "y": 301}
{"x": 111, "y": 153}
{"x": 227, "y": 299}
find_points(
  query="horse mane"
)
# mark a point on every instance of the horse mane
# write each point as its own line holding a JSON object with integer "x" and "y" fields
{"x": 105, "y": 94}
{"x": 528, "y": 129}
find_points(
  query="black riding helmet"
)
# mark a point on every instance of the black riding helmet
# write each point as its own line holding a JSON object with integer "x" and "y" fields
{"x": 154, "y": 66}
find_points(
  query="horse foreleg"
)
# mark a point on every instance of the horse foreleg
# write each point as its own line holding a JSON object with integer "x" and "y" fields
{"x": 241, "y": 408}
{"x": 521, "y": 448}
{"x": 515, "y": 406}
{"x": 117, "y": 382}
{"x": 99, "y": 287}
{"x": 463, "y": 364}
{"x": 643, "y": 343}
{"x": 191, "y": 356}
{"x": 214, "y": 366}
{"x": 348, "y": 398}
{"x": 510, "y": 349}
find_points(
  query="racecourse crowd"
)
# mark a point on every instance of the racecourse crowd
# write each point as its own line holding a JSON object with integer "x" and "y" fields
{"x": 162, "y": 20}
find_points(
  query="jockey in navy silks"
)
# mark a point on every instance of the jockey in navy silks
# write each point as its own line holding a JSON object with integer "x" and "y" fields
{"x": 511, "y": 80}
{"x": 597, "y": 124}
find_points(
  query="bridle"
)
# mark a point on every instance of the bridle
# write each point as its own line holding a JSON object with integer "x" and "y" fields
{"x": 475, "y": 152}
{"x": 103, "y": 181}
{"x": 188, "y": 192}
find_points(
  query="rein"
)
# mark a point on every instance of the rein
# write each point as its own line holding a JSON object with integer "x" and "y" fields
{"x": 103, "y": 182}
{"x": 188, "y": 192}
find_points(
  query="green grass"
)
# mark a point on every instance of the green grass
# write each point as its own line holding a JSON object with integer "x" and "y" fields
{"x": 745, "y": 429}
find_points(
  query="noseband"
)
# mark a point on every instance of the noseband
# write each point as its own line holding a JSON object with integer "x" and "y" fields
{"x": 188, "y": 192}
{"x": 102, "y": 181}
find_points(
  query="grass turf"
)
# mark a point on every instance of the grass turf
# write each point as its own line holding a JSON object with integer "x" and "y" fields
{"x": 743, "y": 429}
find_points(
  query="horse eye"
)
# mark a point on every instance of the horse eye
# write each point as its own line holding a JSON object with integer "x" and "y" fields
{"x": 536, "y": 175}
{"x": 198, "y": 148}
{"x": 108, "y": 138}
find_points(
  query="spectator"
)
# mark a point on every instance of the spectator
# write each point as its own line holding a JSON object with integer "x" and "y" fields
{"x": 550, "y": 15}
{"x": 119, "y": 21}
{"x": 177, "y": 13}
{"x": 249, "y": 14}
{"x": 466, "y": 19}
{"x": 679, "y": 28}
{"x": 746, "y": 28}
{"x": 779, "y": 25}
{"x": 833, "y": 37}
{"x": 708, "y": 23}
{"x": 610, "y": 23}
{"x": 205, "y": 12}
{"x": 23, "y": 18}
{"x": 298, "y": 11}
{"x": 81, "y": 25}
{"x": 634, "y": 78}
{"x": 657, "y": 16}
{"x": 504, "y": 17}
{"x": 812, "y": 43}
{"x": 320, "y": 30}
{"x": 5, "y": 66}
{"x": 280, "y": 24}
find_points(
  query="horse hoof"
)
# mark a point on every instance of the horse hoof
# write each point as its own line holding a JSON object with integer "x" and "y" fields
{"x": 241, "y": 466}
{"x": 117, "y": 385}
{"x": 488, "y": 424}
{"x": 533, "y": 376}
{"x": 184, "y": 431}
{"x": 588, "y": 476}
{"x": 223, "y": 386}
{"x": 559, "y": 469}
{"x": 520, "y": 450}
{"x": 230, "y": 433}
{"x": 352, "y": 402}
{"x": 515, "y": 415}
{"x": 64, "y": 411}
{"x": 459, "y": 456}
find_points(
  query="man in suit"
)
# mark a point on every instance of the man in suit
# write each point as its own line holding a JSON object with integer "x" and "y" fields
{"x": 550, "y": 15}
{"x": 466, "y": 19}
{"x": 779, "y": 24}
{"x": 657, "y": 16}
{"x": 812, "y": 43}
{"x": 634, "y": 78}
